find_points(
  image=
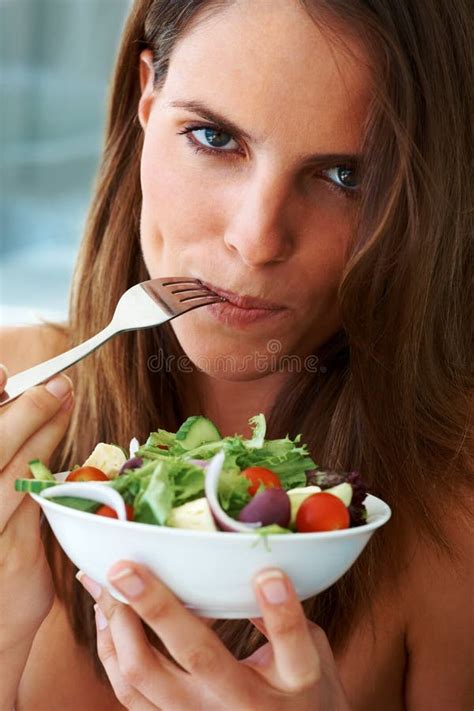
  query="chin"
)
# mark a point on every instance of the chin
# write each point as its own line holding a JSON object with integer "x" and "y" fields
{"x": 229, "y": 358}
{"x": 236, "y": 372}
{"x": 225, "y": 364}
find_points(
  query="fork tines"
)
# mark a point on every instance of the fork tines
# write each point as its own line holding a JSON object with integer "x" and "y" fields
{"x": 180, "y": 294}
{"x": 170, "y": 281}
{"x": 191, "y": 289}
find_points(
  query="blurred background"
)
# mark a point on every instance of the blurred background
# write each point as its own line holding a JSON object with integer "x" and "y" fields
{"x": 56, "y": 59}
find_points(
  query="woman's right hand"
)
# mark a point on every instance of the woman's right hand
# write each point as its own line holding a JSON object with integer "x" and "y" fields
{"x": 31, "y": 427}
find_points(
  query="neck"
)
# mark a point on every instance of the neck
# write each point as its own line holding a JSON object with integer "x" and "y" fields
{"x": 230, "y": 404}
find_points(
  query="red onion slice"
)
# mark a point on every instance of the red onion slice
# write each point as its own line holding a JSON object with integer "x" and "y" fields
{"x": 222, "y": 519}
{"x": 133, "y": 447}
{"x": 271, "y": 506}
{"x": 203, "y": 463}
{"x": 133, "y": 463}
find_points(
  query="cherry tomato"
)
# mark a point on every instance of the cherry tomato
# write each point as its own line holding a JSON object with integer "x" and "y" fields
{"x": 260, "y": 475}
{"x": 87, "y": 474}
{"x": 322, "y": 512}
{"x": 110, "y": 513}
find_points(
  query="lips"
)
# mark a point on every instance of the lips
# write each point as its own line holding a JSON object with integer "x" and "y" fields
{"x": 244, "y": 302}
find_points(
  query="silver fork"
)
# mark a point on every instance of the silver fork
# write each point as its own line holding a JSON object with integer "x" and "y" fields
{"x": 144, "y": 305}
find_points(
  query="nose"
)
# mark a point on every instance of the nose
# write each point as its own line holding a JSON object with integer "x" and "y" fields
{"x": 258, "y": 227}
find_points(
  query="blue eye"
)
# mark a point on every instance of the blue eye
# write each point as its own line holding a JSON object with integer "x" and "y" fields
{"x": 214, "y": 139}
{"x": 343, "y": 176}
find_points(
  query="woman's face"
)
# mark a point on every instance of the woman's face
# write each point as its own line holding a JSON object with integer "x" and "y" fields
{"x": 264, "y": 208}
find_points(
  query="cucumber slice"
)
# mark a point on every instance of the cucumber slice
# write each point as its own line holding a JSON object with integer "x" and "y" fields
{"x": 197, "y": 430}
{"x": 33, "y": 486}
{"x": 40, "y": 471}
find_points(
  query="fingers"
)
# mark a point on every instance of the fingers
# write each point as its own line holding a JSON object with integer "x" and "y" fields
{"x": 296, "y": 657}
{"x": 188, "y": 639}
{"x": 141, "y": 667}
{"x": 39, "y": 446}
{"x": 23, "y": 417}
{"x": 290, "y": 663}
{"x": 3, "y": 377}
{"x": 125, "y": 692}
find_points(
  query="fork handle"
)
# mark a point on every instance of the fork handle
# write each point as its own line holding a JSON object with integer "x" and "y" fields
{"x": 20, "y": 382}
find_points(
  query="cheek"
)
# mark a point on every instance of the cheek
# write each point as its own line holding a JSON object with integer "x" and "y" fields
{"x": 179, "y": 209}
{"x": 319, "y": 270}
{"x": 161, "y": 197}
{"x": 160, "y": 173}
{"x": 326, "y": 241}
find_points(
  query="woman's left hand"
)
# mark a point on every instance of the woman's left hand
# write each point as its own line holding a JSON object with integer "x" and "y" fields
{"x": 294, "y": 671}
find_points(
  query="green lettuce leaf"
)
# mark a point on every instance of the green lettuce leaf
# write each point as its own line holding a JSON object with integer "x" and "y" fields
{"x": 272, "y": 529}
{"x": 161, "y": 437}
{"x": 233, "y": 491}
{"x": 142, "y": 488}
{"x": 155, "y": 499}
{"x": 285, "y": 457}
{"x": 259, "y": 427}
{"x": 170, "y": 478}
{"x": 187, "y": 480}
{"x": 73, "y": 502}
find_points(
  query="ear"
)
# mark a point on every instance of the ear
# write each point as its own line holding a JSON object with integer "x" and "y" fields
{"x": 147, "y": 76}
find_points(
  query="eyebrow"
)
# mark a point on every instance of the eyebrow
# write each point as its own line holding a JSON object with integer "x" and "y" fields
{"x": 196, "y": 107}
{"x": 228, "y": 126}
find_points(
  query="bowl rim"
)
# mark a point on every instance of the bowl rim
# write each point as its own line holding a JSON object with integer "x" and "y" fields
{"x": 381, "y": 515}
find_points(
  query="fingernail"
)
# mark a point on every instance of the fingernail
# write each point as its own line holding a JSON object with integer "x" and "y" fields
{"x": 128, "y": 582}
{"x": 272, "y": 584}
{"x": 90, "y": 585}
{"x": 59, "y": 386}
{"x": 3, "y": 374}
{"x": 100, "y": 619}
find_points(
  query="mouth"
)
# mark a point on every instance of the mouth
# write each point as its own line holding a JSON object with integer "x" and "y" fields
{"x": 244, "y": 301}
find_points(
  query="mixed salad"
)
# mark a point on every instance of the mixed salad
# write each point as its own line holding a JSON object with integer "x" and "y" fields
{"x": 196, "y": 479}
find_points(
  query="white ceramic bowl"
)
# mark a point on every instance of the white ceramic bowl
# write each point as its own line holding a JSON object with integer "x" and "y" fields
{"x": 210, "y": 572}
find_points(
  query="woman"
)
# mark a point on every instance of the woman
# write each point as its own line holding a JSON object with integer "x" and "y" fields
{"x": 313, "y": 156}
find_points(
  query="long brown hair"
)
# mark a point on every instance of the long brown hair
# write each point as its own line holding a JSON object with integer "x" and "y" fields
{"x": 393, "y": 394}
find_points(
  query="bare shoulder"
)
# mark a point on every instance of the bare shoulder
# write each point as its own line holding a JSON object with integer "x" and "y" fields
{"x": 23, "y": 346}
{"x": 436, "y": 573}
{"x": 439, "y": 614}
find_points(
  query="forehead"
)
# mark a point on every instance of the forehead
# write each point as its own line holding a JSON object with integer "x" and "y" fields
{"x": 276, "y": 73}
